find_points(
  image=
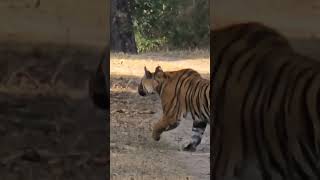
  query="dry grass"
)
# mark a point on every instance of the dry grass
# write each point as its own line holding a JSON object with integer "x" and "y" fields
{"x": 132, "y": 65}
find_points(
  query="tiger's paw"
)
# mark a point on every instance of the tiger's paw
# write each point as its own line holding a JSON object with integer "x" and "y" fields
{"x": 156, "y": 136}
{"x": 190, "y": 147}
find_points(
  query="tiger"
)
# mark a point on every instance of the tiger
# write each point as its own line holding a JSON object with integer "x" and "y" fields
{"x": 265, "y": 106}
{"x": 181, "y": 92}
{"x": 98, "y": 83}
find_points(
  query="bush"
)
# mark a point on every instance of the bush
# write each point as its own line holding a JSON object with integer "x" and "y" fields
{"x": 170, "y": 24}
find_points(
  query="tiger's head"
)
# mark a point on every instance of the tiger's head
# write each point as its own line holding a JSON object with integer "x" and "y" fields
{"x": 151, "y": 82}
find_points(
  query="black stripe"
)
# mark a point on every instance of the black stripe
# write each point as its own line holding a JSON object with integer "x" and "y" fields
{"x": 177, "y": 105}
{"x": 190, "y": 97}
{"x": 292, "y": 82}
{"x": 310, "y": 158}
{"x": 206, "y": 106}
{"x": 286, "y": 117}
{"x": 195, "y": 108}
{"x": 278, "y": 122}
{"x": 273, "y": 87}
{"x": 243, "y": 126}
{"x": 189, "y": 102}
{"x": 306, "y": 112}
{"x": 318, "y": 102}
{"x": 200, "y": 88}
{"x": 255, "y": 83}
{"x": 199, "y": 124}
{"x": 187, "y": 95}
{"x": 205, "y": 103}
{"x": 300, "y": 76}
{"x": 298, "y": 169}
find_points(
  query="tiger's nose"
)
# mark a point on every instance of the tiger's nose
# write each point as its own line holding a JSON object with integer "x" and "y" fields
{"x": 141, "y": 92}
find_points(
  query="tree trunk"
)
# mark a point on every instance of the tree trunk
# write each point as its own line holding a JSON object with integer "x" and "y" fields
{"x": 122, "y": 35}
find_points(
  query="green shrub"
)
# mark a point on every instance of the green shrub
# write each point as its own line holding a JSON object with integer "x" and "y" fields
{"x": 170, "y": 24}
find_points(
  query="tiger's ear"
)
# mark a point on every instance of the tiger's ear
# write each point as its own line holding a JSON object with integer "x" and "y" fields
{"x": 158, "y": 69}
{"x": 159, "y": 72}
{"x": 147, "y": 72}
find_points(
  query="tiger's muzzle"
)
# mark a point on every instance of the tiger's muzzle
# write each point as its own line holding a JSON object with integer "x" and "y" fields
{"x": 141, "y": 91}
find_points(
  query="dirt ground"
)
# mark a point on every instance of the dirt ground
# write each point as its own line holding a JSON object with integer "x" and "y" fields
{"x": 49, "y": 129}
{"x": 133, "y": 151}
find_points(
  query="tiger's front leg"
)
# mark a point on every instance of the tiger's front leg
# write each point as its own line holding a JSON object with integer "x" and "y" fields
{"x": 165, "y": 124}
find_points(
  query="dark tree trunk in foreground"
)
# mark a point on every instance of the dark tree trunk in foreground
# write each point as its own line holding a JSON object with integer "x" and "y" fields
{"x": 122, "y": 35}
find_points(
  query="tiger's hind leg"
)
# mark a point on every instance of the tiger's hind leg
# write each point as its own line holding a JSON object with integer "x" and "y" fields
{"x": 198, "y": 129}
